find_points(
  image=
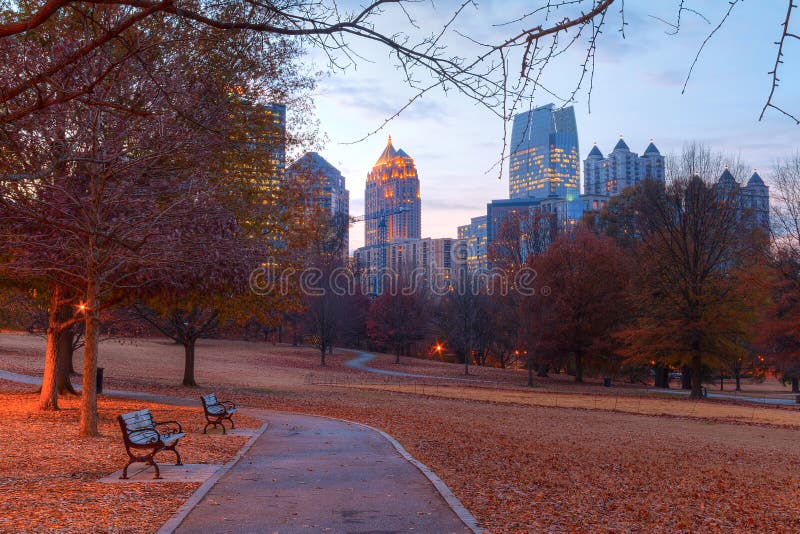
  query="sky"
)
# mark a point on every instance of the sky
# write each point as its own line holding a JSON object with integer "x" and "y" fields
{"x": 456, "y": 143}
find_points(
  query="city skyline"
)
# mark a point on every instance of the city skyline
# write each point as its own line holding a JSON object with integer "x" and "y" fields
{"x": 637, "y": 93}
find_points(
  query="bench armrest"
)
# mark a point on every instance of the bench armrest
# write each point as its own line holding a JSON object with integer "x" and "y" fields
{"x": 151, "y": 436}
{"x": 170, "y": 427}
{"x": 228, "y": 404}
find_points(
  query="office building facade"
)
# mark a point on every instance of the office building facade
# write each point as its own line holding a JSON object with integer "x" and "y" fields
{"x": 324, "y": 189}
{"x": 544, "y": 157}
{"x": 473, "y": 239}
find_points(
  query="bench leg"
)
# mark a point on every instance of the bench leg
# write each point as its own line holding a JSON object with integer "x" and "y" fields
{"x": 124, "y": 475}
{"x": 177, "y": 454}
{"x": 233, "y": 425}
{"x": 158, "y": 471}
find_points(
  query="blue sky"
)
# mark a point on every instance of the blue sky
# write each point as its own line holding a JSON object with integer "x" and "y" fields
{"x": 637, "y": 92}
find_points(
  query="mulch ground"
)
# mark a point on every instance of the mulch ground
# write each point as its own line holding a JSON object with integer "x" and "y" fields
{"x": 49, "y": 476}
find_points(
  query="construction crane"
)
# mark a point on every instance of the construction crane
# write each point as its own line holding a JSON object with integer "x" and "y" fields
{"x": 383, "y": 240}
{"x": 383, "y": 215}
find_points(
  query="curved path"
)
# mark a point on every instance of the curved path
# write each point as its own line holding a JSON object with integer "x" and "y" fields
{"x": 360, "y": 363}
{"x": 316, "y": 474}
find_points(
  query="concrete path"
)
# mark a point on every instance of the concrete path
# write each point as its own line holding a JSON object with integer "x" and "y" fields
{"x": 311, "y": 474}
{"x": 360, "y": 363}
{"x": 315, "y": 474}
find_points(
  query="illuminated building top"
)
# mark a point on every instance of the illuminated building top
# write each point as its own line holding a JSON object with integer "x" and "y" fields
{"x": 393, "y": 183}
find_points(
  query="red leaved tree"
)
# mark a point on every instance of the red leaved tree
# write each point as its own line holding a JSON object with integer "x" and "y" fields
{"x": 581, "y": 288}
{"x": 101, "y": 193}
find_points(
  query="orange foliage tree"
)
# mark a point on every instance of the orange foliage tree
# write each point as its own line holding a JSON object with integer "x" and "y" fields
{"x": 692, "y": 304}
{"x": 581, "y": 288}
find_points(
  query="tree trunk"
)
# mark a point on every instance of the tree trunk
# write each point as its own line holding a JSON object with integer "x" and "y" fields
{"x": 322, "y": 354}
{"x": 48, "y": 395}
{"x": 397, "y": 356}
{"x": 64, "y": 363}
{"x": 466, "y": 360}
{"x": 686, "y": 377}
{"x": 88, "y": 423}
{"x": 795, "y": 385}
{"x": 188, "y": 363}
{"x": 578, "y": 367}
{"x": 738, "y": 376}
{"x": 696, "y": 377}
{"x": 58, "y": 314}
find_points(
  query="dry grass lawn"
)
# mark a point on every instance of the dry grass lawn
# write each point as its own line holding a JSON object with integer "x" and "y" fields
{"x": 645, "y": 403}
{"x": 518, "y": 462}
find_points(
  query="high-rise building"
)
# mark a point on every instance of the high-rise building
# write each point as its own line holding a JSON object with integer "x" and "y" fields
{"x": 276, "y": 113}
{"x": 753, "y": 198}
{"x": 324, "y": 189}
{"x": 473, "y": 236}
{"x": 620, "y": 169}
{"x": 544, "y": 157}
{"x": 392, "y": 183}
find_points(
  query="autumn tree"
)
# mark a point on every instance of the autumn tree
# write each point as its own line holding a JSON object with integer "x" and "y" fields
{"x": 692, "y": 308}
{"x": 780, "y": 332}
{"x": 582, "y": 281}
{"x": 101, "y": 193}
{"x": 396, "y": 321}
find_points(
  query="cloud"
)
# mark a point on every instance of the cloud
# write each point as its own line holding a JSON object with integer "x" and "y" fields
{"x": 370, "y": 97}
{"x": 665, "y": 78}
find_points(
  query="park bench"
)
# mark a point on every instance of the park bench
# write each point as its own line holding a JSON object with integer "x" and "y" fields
{"x": 217, "y": 411}
{"x": 144, "y": 437}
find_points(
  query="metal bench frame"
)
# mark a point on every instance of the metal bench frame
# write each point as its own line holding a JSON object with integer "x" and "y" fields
{"x": 217, "y": 412}
{"x": 160, "y": 436}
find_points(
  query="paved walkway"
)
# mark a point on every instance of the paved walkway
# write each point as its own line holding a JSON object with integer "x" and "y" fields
{"x": 360, "y": 363}
{"x": 311, "y": 474}
{"x": 315, "y": 474}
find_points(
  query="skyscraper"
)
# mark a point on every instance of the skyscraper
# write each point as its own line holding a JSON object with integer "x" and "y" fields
{"x": 393, "y": 183}
{"x": 544, "y": 157}
{"x": 622, "y": 168}
{"x": 276, "y": 113}
{"x": 324, "y": 189}
{"x": 753, "y": 198}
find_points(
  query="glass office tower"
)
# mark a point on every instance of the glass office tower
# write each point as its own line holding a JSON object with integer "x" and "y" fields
{"x": 544, "y": 158}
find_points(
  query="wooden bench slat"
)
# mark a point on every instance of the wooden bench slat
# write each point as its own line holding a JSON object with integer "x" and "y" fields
{"x": 140, "y": 432}
{"x": 216, "y": 412}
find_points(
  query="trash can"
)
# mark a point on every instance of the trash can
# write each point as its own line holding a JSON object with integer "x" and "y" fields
{"x": 607, "y": 382}
{"x": 99, "y": 380}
